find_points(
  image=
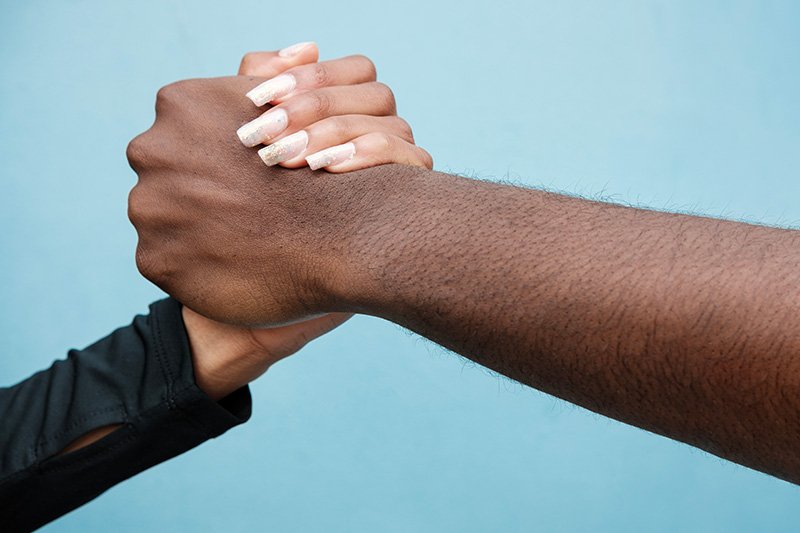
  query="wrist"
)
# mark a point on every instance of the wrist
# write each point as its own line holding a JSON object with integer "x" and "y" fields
{"x": 390, "y": 200}
{"x": 222, "y": 362}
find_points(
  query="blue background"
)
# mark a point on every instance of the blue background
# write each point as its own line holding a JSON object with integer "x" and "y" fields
{"x": 680, "y": 105}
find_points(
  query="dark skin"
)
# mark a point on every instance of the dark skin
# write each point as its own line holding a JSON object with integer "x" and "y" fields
{"x": 684, "y": 326}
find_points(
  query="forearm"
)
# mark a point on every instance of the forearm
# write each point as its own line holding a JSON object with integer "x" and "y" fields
{"x": 682, "y": 325}
{"x": 686, "y": 326}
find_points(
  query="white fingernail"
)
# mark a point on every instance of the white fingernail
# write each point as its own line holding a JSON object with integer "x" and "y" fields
{"x": 295, "y": 49}
{"x": 272, "y": 89}
{"x": 331, "y": 156}
{"x": 285, "y": 149}
{"x": 263, "y": 128}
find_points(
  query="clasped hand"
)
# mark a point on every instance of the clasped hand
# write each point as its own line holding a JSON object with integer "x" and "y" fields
{"x": 231, "y": 231}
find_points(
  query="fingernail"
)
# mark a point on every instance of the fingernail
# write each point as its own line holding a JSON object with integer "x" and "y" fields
{"x": 295, "y": 49}
{"x": 263, "y": 128}
{"x": 272, "y": 89}
{"x": 331, "y": 156}
{"x": 285, "y": 149}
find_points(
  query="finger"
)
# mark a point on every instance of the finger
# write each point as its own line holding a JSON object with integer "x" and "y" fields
{"x": 270, "y": 64}
{"x": 283, "y": 341}
{"x": 368, "y": 151}
{"x": 350, "y": 70}
{"x": 372, "y": 98}
{"x": 290, "y": 150}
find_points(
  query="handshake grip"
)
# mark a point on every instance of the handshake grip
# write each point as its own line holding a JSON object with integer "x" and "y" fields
{"x": 228, "y": 237}
{"x": 238, "y": 241}
{"x": 231, "y": 217}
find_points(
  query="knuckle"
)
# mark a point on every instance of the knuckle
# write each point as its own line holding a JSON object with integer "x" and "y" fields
{"x": 387, "y": 97}
{"x": 134, "y": 206}
{"x": 382, "y": 142}
{"x": 322, "y": 75}
{"x": 340, "y": 127}
{"x": 136, "y": 152}
{"x": 404, "y": 129}
{"x": 151, "y": 265}
{"x": 371, "y": 72}
{"x": 248, "y": 63}
{"x": 168, "y": 92}
{"x": 320, "y": 103}
{"x": 145, "y": 263}
{"x": 427, "y": 159}
{"x": 167, "y": 96}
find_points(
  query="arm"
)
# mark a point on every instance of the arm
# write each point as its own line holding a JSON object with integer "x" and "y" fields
{"x": 174, "y": 378}
{"x": 146, "y": 393}
{"x": 135, "y": 388}
{"x": 153, "y": 390}
{"x": 685, "y": 326}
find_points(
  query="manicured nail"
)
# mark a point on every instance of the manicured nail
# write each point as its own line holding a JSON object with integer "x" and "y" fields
{"x": 285, "y": 149}
{"x": 263, "y": 128}
{"x": 331, "y": 156}
{"x": 272, "y": 89}
{"x": 295, "y": 49}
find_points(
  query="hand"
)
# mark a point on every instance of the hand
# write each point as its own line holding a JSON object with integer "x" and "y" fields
{"x": 230, "y": 238}
{"x": 228, "y": 357}
{"x": 331, "y": 115}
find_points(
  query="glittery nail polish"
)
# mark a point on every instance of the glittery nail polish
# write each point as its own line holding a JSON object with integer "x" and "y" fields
{"x": 287, "y": 148}
{"x": 294, "y": 49}
{"x": 263, "y": 128}
{"x": 271, "y": 89}
{"x": 331, "y": 156}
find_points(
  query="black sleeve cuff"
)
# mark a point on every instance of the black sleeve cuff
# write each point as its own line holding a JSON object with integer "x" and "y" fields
{"x": 174, "y": 354}
{"x": 141, "y": 377}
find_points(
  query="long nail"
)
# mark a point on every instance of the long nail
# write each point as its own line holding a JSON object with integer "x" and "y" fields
{"x": 331, "y": 156}
{"x": 272, "y": 89}
{"x": 285, "y": 149}
{"x": 263, "y": 128}
{"x": 295, "y": 49}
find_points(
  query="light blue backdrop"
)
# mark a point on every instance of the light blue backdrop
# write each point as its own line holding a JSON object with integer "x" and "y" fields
{"x": 686, "y": 105}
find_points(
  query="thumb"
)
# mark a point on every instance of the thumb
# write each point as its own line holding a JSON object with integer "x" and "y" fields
{"x": 270, "y": 64}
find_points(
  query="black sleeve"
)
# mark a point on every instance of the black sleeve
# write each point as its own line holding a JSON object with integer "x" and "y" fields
{"x": 140, "y": 376}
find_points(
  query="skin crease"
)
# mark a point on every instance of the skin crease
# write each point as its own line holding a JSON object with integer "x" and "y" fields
{"x": 685, "y": 326}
